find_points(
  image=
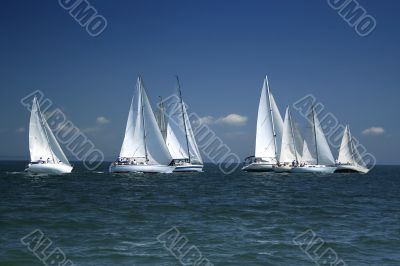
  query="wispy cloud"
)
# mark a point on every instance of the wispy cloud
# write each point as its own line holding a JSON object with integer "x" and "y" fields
{"x": 101, "y": 120}
{"x": 20, "y": 130}
{"x": 373, "y": 131}
{"x": 231, "y": 120}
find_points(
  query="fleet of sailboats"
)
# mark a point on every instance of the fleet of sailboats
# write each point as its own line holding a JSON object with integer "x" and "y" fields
{"x": 280, "y": 147}
{"x": 164, "y": 141}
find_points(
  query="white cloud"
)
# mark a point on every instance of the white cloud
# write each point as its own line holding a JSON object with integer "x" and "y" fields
{"x": 373, "y": 131}
{"x": 102, "y": 120}
{"x": 20, "y": 130}
{"x": 232, "y": 120}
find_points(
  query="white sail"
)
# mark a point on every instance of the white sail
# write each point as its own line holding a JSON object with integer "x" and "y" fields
{"x": 143, "y": 138}
{"x": 265, "y": 142}
{"x": 160, "y": 118}
{"x": 42, "y": 142}
{"x": 38, "y": 145}
{"x": 348, "y": 153}
{"x": 278, "y": 122}
{"x": 306, "y": 156}
{"x": 180, "y": 139}
{"x": 133, "y": 145}
{"x": 176, "y": 135}
{"x": 195, "y": 156}
{"x": 288, "y": 150}
{"x": 157, "y": 151}
{"x": 176, "y": 148}
{"x": 323, "y": 152}
{"x": 58, "y": 153}
{"x": 345, "y": 153}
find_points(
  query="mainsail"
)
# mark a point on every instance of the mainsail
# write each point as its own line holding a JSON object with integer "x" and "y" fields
{"x": 269, "y": 125}
{"x": 345, "y": 154}
{"x": 289, "y": 150}
{"x": 323, "y": 153}
{"x": 161, "y": 119}
{"x": 42, "y": 142}
{"x": 348, "y": 153}
{"x": 143, "y": 138}
{"x": 306, "y": 156}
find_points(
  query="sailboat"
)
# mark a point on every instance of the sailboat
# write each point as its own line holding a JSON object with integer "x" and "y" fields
{"x": 268, "y": 135}
{"x": 47, "y": 157}
{"x": 324, "y": 162}
{"x": 289, "y": 155}
{"x": 143, "y": 149}
{"x": 349, "y": 159}
{"x": 180, "y": 138}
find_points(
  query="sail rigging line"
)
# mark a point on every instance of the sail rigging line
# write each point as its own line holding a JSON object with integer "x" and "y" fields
{"x": 351, "y": 144}
{"x": 272, "y": 117}
{"x": 162, "y": 117}
{"x": 315, "y": 133}
{"x": 291, "y": 129}
{"x": 183, "y": 117}
{"x": 143, "y": 122}
{"x": 45, "y": 131}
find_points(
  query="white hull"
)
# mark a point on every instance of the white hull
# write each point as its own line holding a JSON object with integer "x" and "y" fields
{"x": 258, "y": 167}
{"x": 49, "y": 168}
{"x": 282, "y": 169}
{"x": 349, "y": 168}
{"x": 189, "y": 168}
{"x": 165, "y": 169}
{"x": 317, "y": 169}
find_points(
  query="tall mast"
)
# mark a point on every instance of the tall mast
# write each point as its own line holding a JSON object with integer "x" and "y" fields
{"x": 183, "y": 116}
{"x": 44, "y": 129}
{"x": 143, "y": 122}
{"x": 161, "y": 118}
{"x": 272, "y": 117}
{"x": 291, "y": 129}
{"x": 315, "y": 133}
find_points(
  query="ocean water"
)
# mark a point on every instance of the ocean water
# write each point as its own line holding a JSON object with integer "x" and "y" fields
{"x": 96, "y": 218}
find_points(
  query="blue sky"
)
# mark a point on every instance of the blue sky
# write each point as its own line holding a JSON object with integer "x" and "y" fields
{"x": 221, "y": 51}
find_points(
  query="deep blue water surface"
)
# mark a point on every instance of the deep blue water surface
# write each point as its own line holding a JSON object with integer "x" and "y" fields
{"x": 97, "y": 218}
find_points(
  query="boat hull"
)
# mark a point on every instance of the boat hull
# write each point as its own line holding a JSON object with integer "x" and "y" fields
{"x": 189, "y": 168}
{"x": 349, "y": 168}
{"x": 282, "y": 169}
{"x": 49, "y": 168}
{"x": 165, "y": 169}
{"x": 258, "y": 167}
{"x": 317, "y": 169}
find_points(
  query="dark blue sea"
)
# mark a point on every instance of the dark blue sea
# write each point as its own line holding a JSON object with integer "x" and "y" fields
{"x": 97, "y": 218}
